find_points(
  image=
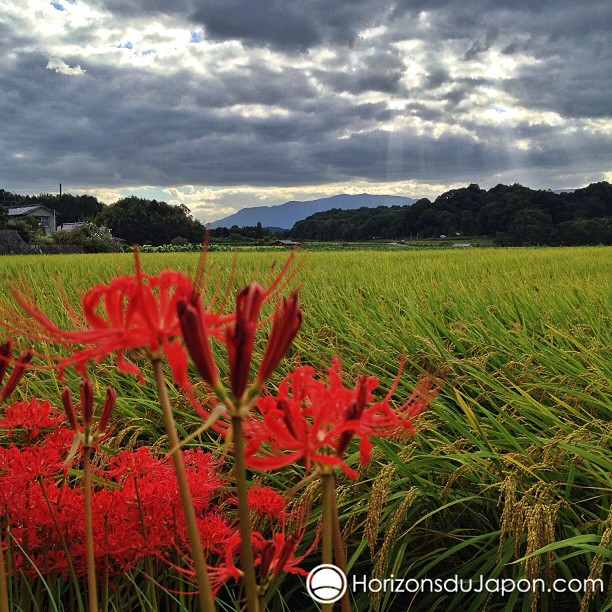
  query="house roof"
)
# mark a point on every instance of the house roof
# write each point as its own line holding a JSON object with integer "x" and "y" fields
{"x": 69, "y": 227}
{"x": 286, "y": 242}
{"x": 24, "y": 210}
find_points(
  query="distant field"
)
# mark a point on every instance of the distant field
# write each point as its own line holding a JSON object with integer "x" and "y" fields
{"x": 513, "y": 458}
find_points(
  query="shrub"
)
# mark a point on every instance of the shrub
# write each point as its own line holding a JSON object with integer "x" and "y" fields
{"x": 93, "y": 238}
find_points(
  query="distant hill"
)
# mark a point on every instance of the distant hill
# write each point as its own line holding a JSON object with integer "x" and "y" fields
{"x": 286, "y": 215}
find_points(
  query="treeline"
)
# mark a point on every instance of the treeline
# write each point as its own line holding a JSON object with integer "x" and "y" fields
{"x": 69, "y": 208}
{"x": 135, "y": 220}
{"x": 142, "y": 221}
{"x": 512, "y": 215}
{"x": 256, "y": 234}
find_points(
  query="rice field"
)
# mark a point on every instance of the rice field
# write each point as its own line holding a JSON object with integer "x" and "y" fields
{"x": 509, "y": 476}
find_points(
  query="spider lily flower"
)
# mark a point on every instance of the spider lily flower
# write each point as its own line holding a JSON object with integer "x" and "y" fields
{"x": 131, "y": 315}
{"x": 315, "y": 420}
{"x": 239, "y": 339}
{"x": 285, "y": 325}
{"x": 21, "y": 365}
{"x": 278, "y": 554}
{"x": 241, "y": 336}
{"x": 353, "y": 413}
{"x": 86, "y": 434}
{"x": 32, "y": 416}
{"x": 192, "y": 319}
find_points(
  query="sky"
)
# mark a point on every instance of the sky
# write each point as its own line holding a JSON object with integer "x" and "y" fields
{"x": 223, "y": 104}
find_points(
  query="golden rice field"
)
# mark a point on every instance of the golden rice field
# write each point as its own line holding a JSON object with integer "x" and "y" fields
{"x": 510, "y": 473}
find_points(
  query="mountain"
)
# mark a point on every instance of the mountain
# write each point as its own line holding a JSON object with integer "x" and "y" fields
{"x": 287, "y": 214}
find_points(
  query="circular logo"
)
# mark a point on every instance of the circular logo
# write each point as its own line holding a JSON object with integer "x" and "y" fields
{"x": 326, "y": 583}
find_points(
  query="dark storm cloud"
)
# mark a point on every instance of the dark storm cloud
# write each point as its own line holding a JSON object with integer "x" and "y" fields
{"x": 570, "y": 43}
{"x": 571, "y": 82}
{"x": 283, "y": 24}
{"x": 286, "y": 24}
{"x": 130, "y": 127}
{"x": 311, "y": 97}
{"x": 377, "y": 70}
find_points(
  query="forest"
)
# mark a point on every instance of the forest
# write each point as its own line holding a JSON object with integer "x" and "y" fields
{"x": 512, "y": 215}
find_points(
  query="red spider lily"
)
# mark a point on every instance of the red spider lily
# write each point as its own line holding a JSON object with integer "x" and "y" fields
{"x": 273, "y": 556}
{"x": 6, "y": 352}
{"x": 266, "y": 502}
{"x": 32, "y": 416}
{"x": 278, "y": 553}
{"x": 285, "y": 325}
{"x": 194, "y": 325}
{"x": 226, "y": 570}
{"x": 315, "y": 420}
{"x": 130, "y": 313}
{"x": 241, "y": 336}
{"x": 239, "y": 339}
{"x": 85, "y": 433}
{"x": 134, "y": 504}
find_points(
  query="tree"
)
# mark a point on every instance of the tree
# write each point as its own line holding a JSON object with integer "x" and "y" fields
{"x": 584, "y": 231}
{"x": 70, "y": 208}
{"x": 141, "y": 221}
{"x": 530, "y": 226}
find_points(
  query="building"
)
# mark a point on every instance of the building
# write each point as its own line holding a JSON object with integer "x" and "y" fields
{"x": 287, "y": 243}
{"x": 71, "y": 227}
{"x": 45, "y": 216}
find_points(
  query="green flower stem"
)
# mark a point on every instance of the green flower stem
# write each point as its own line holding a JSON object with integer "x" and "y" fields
{"x": 4, "y": 603}
{"x": 193, "y": 533}
{"x": 339, "y": 557}
{"x": 329, "y": 486}
{"x": 92, "y": 592}
{"x": 75, "y": 581}
{"x": 246, "y": 547}
{"x": 261, "y": 602}
{"x": 148, "y": 560}
{"x": 327, "y": 480}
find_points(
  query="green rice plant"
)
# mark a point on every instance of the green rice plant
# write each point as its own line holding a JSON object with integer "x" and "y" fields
{"x": 510, "y": 473}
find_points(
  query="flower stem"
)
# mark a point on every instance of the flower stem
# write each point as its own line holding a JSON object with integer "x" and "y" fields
{"x": 329, "y": 485}
{"x": 327, "y": 480}
{"x": 193, "y": 533}
{"x": 246, "y": 547}
{"x": 75, "y": 582}
{"x": 339, "y": 557}
{"x": 261, "y": 602}
{"x": 4, "y": 604}
{"x": 92, "y": 594}
{"x": 148, "y": 560}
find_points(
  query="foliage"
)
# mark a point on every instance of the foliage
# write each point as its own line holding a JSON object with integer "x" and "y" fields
{"x": 69, "y": 208}
{"x": 509, "y": 475}
{"x": 584, "y": 231}
{"x": 32, "y": 229}
{"x": 514, "y": 215}
{"x": 248, "y": 233}
{"x": 92, "y": 237}
{"x": 140, "y": 221}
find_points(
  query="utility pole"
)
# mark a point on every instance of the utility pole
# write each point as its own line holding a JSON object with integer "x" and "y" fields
{"x": 60, "y": 205}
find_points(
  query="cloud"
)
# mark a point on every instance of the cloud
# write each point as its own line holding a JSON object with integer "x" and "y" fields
{"x": 294, "y": 96}
{"x": 60, "y": 66}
